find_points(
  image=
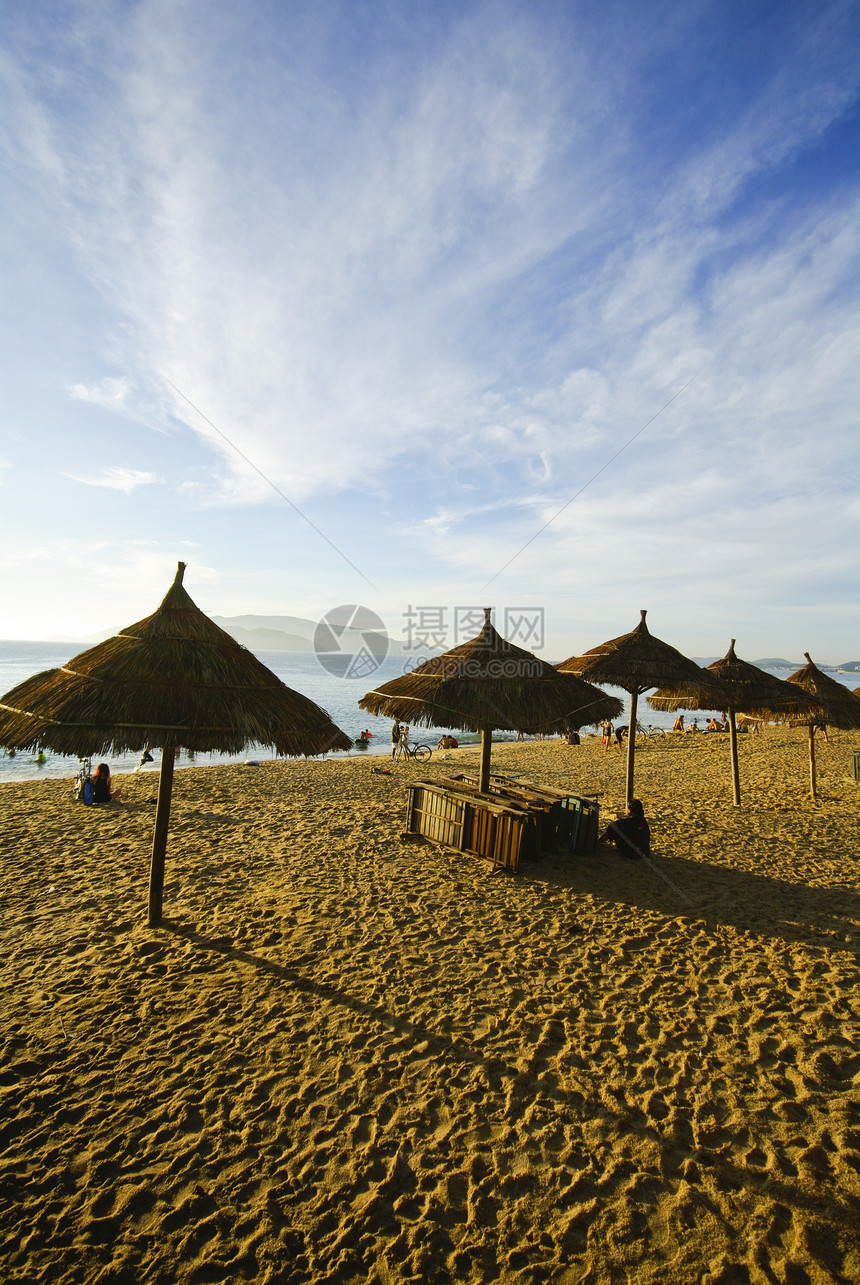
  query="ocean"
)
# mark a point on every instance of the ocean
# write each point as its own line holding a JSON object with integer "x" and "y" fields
{"x": 299, "y": 670}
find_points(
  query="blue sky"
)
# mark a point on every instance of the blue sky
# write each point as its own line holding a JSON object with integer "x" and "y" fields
{"x": 429, "y": 268}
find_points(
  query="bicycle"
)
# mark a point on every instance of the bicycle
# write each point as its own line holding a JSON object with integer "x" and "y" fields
{"x": 650, "y": 731}
{"x": 418, "y": 751}
{"x": 83, "y": 788}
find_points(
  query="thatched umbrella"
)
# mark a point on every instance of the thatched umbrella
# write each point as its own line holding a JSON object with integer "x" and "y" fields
{"x": 836, "y": 705}
{"x": 489, "y": 683}
{"x": 750, "y": 691}
{"x": 172, "y": 679}
{"x": 637, "y": 662}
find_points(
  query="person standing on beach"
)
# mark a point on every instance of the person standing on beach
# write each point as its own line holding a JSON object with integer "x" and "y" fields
{"x": 395, "y": 739}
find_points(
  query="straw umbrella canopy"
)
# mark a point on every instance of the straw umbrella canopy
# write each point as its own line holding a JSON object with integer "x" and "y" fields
{"x": 486, "y": 684}
{"x": 750, "y": 690}
{"x": 836, "y": 705}
{"x": 172, "y": 679}
{"x": 637, "y": 662}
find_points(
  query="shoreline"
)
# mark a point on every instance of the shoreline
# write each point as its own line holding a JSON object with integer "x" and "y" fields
{"x": 353, "y": 1055}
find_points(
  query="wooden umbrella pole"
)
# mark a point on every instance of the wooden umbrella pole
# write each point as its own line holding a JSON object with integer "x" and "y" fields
{"x": 733, "y": 738}
{"x": 631, "y": 743}
{"x": 159, "y": 837}
{"x": 812, "y": 759}
{"x": 486, "y": 743}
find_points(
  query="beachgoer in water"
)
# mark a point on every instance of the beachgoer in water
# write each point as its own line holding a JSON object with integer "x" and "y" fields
{"x": 102, "y": 791}
{"x": 630, "y": 832}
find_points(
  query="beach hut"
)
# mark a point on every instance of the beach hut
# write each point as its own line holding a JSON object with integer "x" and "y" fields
{"x": 637, "y": 662}
{"x": 750, "y": 691}
{"x": 486, "y": 684}
{"x": 173, "y": 679}
{"x": 838, "y": 706}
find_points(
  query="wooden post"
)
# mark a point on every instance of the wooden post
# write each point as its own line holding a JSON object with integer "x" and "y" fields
{"x": 812, "y": 759}
{"x": 486, "y": 742}
{"x": 733, "y": 739}
{"x": 631, "y": 740}
{"x": 159, "y": 838}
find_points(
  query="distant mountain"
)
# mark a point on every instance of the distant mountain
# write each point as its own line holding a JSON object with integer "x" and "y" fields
{"x": 257, "y": 633}
{"x": 288, "y": 633}
{"x": 89, "y": 641}
{"x": 779, "y": 662}
{"x": 300, "y": 626}
{"x": 267, "y": 639}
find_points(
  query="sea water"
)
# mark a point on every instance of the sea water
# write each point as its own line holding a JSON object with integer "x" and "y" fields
{"x": 301, "y": 671}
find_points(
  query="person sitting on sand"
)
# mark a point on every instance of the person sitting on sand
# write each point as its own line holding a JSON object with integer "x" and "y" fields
{"x": 693, "y": 727}
{"x": 678, "y": 725}
{"x": 102, "y": 792}
{"x": 630, "y": 832}
{"x": 573, "y": 738}
{"x": 713, "y": 726}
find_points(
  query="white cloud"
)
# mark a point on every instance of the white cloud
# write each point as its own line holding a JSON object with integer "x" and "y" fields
{"x": 453, "y": 277}
{"x": 112, "y": 394}
{"x": 119, "y": 479}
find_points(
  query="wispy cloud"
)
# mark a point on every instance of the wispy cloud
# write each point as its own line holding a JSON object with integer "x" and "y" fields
{"x": 113, "y": 394}
{"x": 119, "y": 479}
{"x": 455, "y": 263}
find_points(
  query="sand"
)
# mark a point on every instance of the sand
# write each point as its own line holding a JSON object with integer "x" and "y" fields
{"x": 351, "y": 1056}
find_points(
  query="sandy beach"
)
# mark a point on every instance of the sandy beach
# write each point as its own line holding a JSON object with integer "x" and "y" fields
{"x": 354, "y": 1056}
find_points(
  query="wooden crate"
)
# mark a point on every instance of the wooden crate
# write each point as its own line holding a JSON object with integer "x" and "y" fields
{"x": 583, "y": 824}
{"x": 566, "y": 820}
{"x": 459, "y": 818}
{"x": 437, "y": 814}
